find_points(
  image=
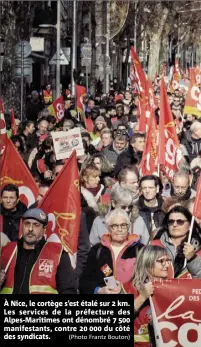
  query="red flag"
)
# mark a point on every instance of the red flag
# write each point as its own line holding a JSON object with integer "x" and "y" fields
{"x": 62, "y": 203}
{"x": 56, "y": 109}
{"x": 139, "y": 72}
{"x": 197, "y": 203}
{"x": 193, "y": 99}
{"x": 80, "y": 93}
{"x": 13, "y": 123}
{"x": 169, "y": 152}
{"x": 14, "y": 171}
{"x": 176, "y": 312}
{"x": 3, "y": 133}
{"x": 148, "y": 163}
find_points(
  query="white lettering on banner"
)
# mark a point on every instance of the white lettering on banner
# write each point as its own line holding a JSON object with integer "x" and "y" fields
{"x": 28, "y": 194}
{"x": 196, "y": 95}
{"x": 198, "y": 78}
{"x": 51, "y": 218}
{"x": 184, "y": 329}
{"x": 170, "y": 153}
{"x": 60, "y": 111}
{"x": 45, "y": 267}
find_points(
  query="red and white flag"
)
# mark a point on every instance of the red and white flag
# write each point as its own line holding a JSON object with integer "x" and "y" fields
{"x": 193, "y": 99}
{"x": 56, "y": 109}
{"x": 169, "y": 151}
{"x": 14, "y": 171}
{"x": 62, "y": 204}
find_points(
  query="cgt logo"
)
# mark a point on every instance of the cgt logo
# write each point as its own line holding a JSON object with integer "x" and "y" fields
{"x": 45, "y": 268}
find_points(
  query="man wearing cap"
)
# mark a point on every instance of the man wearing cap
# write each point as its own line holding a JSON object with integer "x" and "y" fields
{"x": 34, "y": 265}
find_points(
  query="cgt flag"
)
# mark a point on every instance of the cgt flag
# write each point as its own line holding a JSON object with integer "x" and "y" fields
{"x": 176, "y": 313}
{"x": 14, "y": 171}
{"x": 56, "y": 109}
{"x": 193, "y": 99}
{"x": 169, "y": 152}
{"x": 62, "y": 204}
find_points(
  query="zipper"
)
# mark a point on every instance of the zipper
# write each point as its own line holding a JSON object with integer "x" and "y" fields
{"x": 25, "y": 272}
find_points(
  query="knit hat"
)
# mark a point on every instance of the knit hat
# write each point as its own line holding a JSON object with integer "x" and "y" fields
{"x": 100, "y": 119}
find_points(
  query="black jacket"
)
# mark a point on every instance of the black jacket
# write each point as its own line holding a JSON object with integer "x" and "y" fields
{"x": 127, "y": 157}
{"x": 65, "y": 277}
{"x": 11, "y": 220}
{"x": 193, "y": 146}
{"x": 145, "y": 212}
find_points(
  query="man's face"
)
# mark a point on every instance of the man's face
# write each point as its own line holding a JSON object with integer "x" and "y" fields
{"x": 149, "y": 190}
{"x": 41, "y": 193}
{"x": 31, "y": 128}
{"x": 67, "y": 125}
{"x": 131, "y": 183}
{"x": 106, "y": 139}
{"x": 120, "y": 111}
{"x": 48, "y": 87}
{"x": 120, "y": 145}
{"x": 32, "y": 231}
{"x": 189, "y": 117}
{"x": 197, "y": 134}
{"x": 43, "y": 127}
{"x": 127, "y": 96}
{"x": 67, "y": 104}
{"x": 91, "y": 104}
{"x": 180, "y": 185}
{"x": 9, "y": 200}
{"x": 138, "y": 145}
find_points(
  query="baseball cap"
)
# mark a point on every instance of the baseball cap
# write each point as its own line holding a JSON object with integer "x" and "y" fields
{"x": 37, "y": 214}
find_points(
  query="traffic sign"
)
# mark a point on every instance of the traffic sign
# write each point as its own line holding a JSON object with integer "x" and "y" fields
{"x": 23, "y": 47}
{"x": 63, "y": 60}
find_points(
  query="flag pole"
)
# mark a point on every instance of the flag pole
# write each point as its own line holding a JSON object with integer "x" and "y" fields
{"x": 190, "y": 235}
{"x": 157, "y": 331}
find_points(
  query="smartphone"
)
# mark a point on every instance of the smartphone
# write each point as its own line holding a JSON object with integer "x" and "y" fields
{"x": 110, "y": 282}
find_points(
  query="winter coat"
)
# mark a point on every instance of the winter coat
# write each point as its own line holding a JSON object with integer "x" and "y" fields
{"x": 128, "y": 157}
{"x": 192, "y": 145}
{"x": 101, "y": 263}
{"x": 146, "y": 213}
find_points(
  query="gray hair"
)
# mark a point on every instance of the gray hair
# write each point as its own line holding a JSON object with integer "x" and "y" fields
{"x": 121, "y": 196}
{"x": 181, "y": 173}
{"x": 195, "y": 126}
{"x": 116, "y": 213}
{"x": 145, "y": 262}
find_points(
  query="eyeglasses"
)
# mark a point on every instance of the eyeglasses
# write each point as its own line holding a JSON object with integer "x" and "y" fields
{"x": 177, "y": 221}
{"x": 115, "y": 227}
{"x": 127, "y": 207}
{"x": 164, "y": 261}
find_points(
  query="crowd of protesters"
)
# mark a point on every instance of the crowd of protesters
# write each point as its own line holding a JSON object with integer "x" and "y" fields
{"x": 133, "y": 227}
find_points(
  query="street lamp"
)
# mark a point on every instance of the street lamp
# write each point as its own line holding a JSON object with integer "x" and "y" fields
{"x": 58, "y": 28}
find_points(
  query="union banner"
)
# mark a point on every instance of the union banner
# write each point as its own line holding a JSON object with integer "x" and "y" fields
{"x": 176, "y": 313}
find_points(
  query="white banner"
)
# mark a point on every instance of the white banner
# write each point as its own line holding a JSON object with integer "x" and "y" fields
{"x": 65, "y": 142}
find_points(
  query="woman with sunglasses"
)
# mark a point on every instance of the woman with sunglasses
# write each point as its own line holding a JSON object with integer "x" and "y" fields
{"x": 173, "y": 235}
{"x": 115, "y": 256}
{"x": 152, "y": 263}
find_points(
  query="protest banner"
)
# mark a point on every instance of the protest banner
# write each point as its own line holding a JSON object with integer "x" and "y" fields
{"x": 176, "y": 312}
{"x": 65, "y": 142}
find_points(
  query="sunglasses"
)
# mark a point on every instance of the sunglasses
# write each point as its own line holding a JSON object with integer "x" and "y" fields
{"x": 177, "y": 221}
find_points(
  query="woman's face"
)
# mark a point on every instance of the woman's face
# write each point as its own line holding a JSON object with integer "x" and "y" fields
{"x": 92, "y": 181}
{"x": 178, "y": 225}
{"x": 118, "y": 229}
{"x": 98, "y": 163}
{"x": 160, "y": 269}
{"x": 99, "y": 126}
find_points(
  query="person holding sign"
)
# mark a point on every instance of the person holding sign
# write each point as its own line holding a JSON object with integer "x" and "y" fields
{"x": 152, "y": 263}
{"x": 173, "y": 235}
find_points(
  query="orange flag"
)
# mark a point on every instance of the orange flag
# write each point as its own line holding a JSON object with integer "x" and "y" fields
{"x": 169, "y": 152}
{"x": 1, "y": 106}
{"x": 176, "y": 77}
{"x": 56, "y": 109}
{"x": 14, "y": 171}
{"x": 148, "y": 163}
{"x": 62, "y": 203}
{"x": 13, "y": 123}
{"x": 81, "y": 92}
{"x": 3, "y": 133}
{"x": 197, "y": 203}
{"x": 193, "y": 99}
